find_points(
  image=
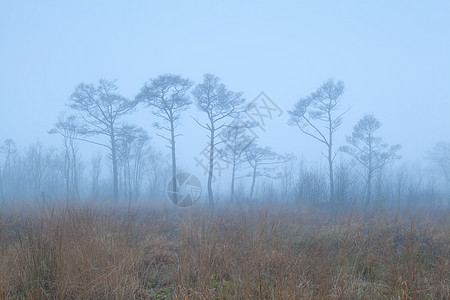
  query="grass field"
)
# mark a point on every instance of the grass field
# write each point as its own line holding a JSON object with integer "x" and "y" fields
{"x": 237, "y": 252}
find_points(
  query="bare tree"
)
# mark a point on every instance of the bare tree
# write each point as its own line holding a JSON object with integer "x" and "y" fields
{"x": 345, "y": 183}
{"x": 102, "y": 108}
{"x": 37, "y": 169}
{"x": 67, "y": 127}
{"x": 262, "y": 162}
{"x": 287, "y": 183}
{"x": 400, "y": 181}
{"x": 157, "y": 170}
{"x": 236, "y": 141}
{"x": 219, "y": 104}
{"x": 130, "y": 148}
{"x": 166, "y": 94}
{"x": 368, "y": 150}
{"x": 320, "y": 116}
{"x": 8, "y": 149}
{"x": 140, "y": 151}
{"x": 36, "y": 173}
{"x": 311, "y": 184}
{"x": 41, "y": 166}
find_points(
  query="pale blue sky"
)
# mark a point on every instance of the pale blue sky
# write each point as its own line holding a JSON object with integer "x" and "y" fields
{"x": 394, "y": 57}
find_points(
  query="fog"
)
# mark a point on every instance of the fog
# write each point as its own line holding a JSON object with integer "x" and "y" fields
{"x": 224, "y": 149}
{"x": 392, "y": 59}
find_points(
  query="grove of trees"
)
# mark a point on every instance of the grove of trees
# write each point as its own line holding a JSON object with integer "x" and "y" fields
{"x": 364, "y": 170}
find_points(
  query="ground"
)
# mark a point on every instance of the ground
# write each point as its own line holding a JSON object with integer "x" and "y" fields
{"x": 235, "y": 252}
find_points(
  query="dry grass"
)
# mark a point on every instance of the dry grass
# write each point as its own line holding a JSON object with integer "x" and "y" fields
{"x": 88, "y": 252}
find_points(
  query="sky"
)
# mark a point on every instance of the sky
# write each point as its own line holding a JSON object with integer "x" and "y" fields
{"x": 394, "y": 57}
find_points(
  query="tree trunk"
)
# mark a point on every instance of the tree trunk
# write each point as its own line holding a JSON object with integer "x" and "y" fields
{"x": 330, "y": 167}
{"x": 67, "y": 170}
{"x": 233, "y": 172}
{"x": 174, "y": 163}
{"x": 330, "y": 157}
{"x": 370, "y": 172}
{"x": 75, "y": 171}
{"x": 211, "y": 169}
{"x": 369, "y": 187}
{"x": 253, "y": 182}
{"x": 114, "y": 165}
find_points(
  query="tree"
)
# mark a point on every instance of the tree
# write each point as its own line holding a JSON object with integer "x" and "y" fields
{"x": 131, "y": 157}
{"x": 262, "y": 161}
{"x": 157, "y": 170}
{"x": 9, "y": 150}
{"x": 101, "y": 108}
{"x": 319, "y": 116}
{"x": 166, "y": 94}
{"x": 219, "y": 104}
{"x": 368, "y": 150}
{"x": 311, "y": 187}
{"x": 345, "y": 183}
{"x": 67, "y": 127}
{"x": 236, "y": 142}
{"x": 41, "y": 167}
{"x": 287, "y": 182}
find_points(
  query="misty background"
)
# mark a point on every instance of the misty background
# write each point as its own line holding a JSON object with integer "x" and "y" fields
{"x": 392, "y": 56}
